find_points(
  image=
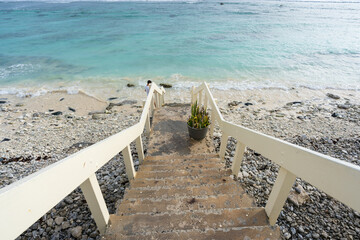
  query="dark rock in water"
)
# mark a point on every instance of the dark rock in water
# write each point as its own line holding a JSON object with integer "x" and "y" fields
{"x": 221, "y": 3}
{"x": 233, "y": 103}
{"x": 5, "y": 140}
{"x": 333, "y": 96}
{"x": 2, "y": 101}
{"x": 166, "y": 85}
{"x": 293, "y": 103}
{"x": 130, "y": 85}
{"x": 57, "y": 113}
{"x": 61, "y": 99}
{"x": 72, "y": 109}
{"x": 112, "y": 98}
{"x": 248, "y": 104}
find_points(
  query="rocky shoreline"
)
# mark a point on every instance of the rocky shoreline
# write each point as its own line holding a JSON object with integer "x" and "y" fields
{"x": 33, "y": 139}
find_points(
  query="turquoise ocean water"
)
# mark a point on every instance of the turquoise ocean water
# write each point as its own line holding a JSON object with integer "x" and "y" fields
{"x": 240, "y": 44}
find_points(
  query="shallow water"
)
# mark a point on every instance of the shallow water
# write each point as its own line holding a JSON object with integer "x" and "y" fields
{"x": 240, "y": 45}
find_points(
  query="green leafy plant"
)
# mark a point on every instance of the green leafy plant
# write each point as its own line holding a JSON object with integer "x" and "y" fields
{"x": 199, "y": 117}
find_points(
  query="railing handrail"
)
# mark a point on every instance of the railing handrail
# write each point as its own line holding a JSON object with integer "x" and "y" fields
{"x": 318, "y": 169}
{"x": 22, "y": 202}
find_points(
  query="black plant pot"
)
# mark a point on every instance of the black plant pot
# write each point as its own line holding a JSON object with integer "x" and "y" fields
{"x": 197, "y": 133}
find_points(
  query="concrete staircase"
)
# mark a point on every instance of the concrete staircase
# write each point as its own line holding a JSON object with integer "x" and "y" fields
{"x": 185, "y": 196}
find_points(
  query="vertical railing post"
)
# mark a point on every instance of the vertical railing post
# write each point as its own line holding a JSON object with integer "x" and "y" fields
{"x": 151, "y": 105}
{"x": 147, "y": 124}
{"x": 223, "y": 145}
{"x": 212, "y": 119}
{"x": 200, "y": 98}
{"x": 205, "y": 100}
{"x": 279, "y": 194}
{"x": 129, "y": 164}
{"x": 162, "y": 99}
{"x": 140, "y": 149}
{"x": 239, "y": 154}
{"x": 95, "y": 200}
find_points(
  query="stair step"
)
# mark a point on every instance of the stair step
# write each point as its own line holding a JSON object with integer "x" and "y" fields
{"x": 181, "y": 173}
{"x": 184, "y": 166}
{"x": 151, "y": 224}
{"x": 207, "y": 190}
{"x": 184, "y": 204}
{"x": 258, "y": 233}
{"x": 193, "y": 156}
{"x": 179, "y": 181}
{"x": 181, "y": 161}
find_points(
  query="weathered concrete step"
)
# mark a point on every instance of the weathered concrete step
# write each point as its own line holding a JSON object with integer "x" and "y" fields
{"x": 258, "y": 233}
{"x": 193, "y": 156}
{"x": 185, "y": 204}
{"x": 143, "y": 224}
{"x": 228, "y": 188}
{"x": 181, "y": 173}
{"x": 179, "y": 181}
{"x": 184, "y": 166}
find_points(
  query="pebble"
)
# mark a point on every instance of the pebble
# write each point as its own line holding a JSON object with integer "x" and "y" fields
{"x": 76, "y": 232}
{"x": 333, "y": 96}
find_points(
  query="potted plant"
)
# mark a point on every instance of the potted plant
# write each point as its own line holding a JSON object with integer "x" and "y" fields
{"x": 198, "y": 122}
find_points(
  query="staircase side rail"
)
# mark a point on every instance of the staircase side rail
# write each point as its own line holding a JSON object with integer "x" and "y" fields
{"x": 23, "y": 202}
{"x": 333, "y": 176}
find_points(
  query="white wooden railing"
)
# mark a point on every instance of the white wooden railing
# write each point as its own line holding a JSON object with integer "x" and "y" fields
{"x": 25, "y": 201}
{"x": 337, "y": 178}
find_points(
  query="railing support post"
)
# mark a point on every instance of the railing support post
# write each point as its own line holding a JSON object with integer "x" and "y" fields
{"x": 223, "y": 145}
{"x": 239, "y": 154}
{"x": 139, "y": 148}
{"x": 212, "y": 125}
{"x": 129, "y": 164}
{"x": 200, "y": 98}
{"x": 147, "y": 124}
{"x": 205, "y": 101}
{"x": 279, "y": 194}
{"x": 162, "y": 99}
{"x": 96, "y": 202}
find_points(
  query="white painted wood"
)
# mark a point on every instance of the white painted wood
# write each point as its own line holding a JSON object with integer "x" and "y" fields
{"x": 212, "y": 123}
{"x": 200, "y": 98}
{"x": 223, "y": 145}
{"x": 205, "y": 101}
{"x": 313, "y": 167}
{"x": 96, "y": 202}
{"x": 140, "y": 149}
{"x": 129, "y": 164}
{"x": 239, "y": 154}
{"x": 147, "y": 125}
{"x": 279, "y": 194}
{"x": 192, "y": 94}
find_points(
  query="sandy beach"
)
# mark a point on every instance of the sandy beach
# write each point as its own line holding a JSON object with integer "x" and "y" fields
{"x": 38, "y": 131}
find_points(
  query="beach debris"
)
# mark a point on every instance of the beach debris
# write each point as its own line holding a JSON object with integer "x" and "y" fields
{"x": 191, "y": 201}
{"x": 19, "y": 105}
{"x": 112, "y": 98}
{"x": 299, "y": 196}
{"x": 57, "y": 113}
{"x": 51, "y": 110}
{"x": 61, "y": 99}
{"x": 130, "y": 85}
{"x": 5, "y": 140}
{"x": 248, "y": 104}
{"x": 234, "y": 103}
{"x": 166, "y": 85}
{"x": 72, "y": 109}
{"x": 336, "y": 115}
{"x": 333, "y": 96}
{"x": 23, "y": 159}
{"x": 294, "y": 103}
{"x": 344, "y": 106}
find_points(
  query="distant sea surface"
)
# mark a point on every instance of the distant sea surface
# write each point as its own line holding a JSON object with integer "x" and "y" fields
{"x": 234, "y": 45}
